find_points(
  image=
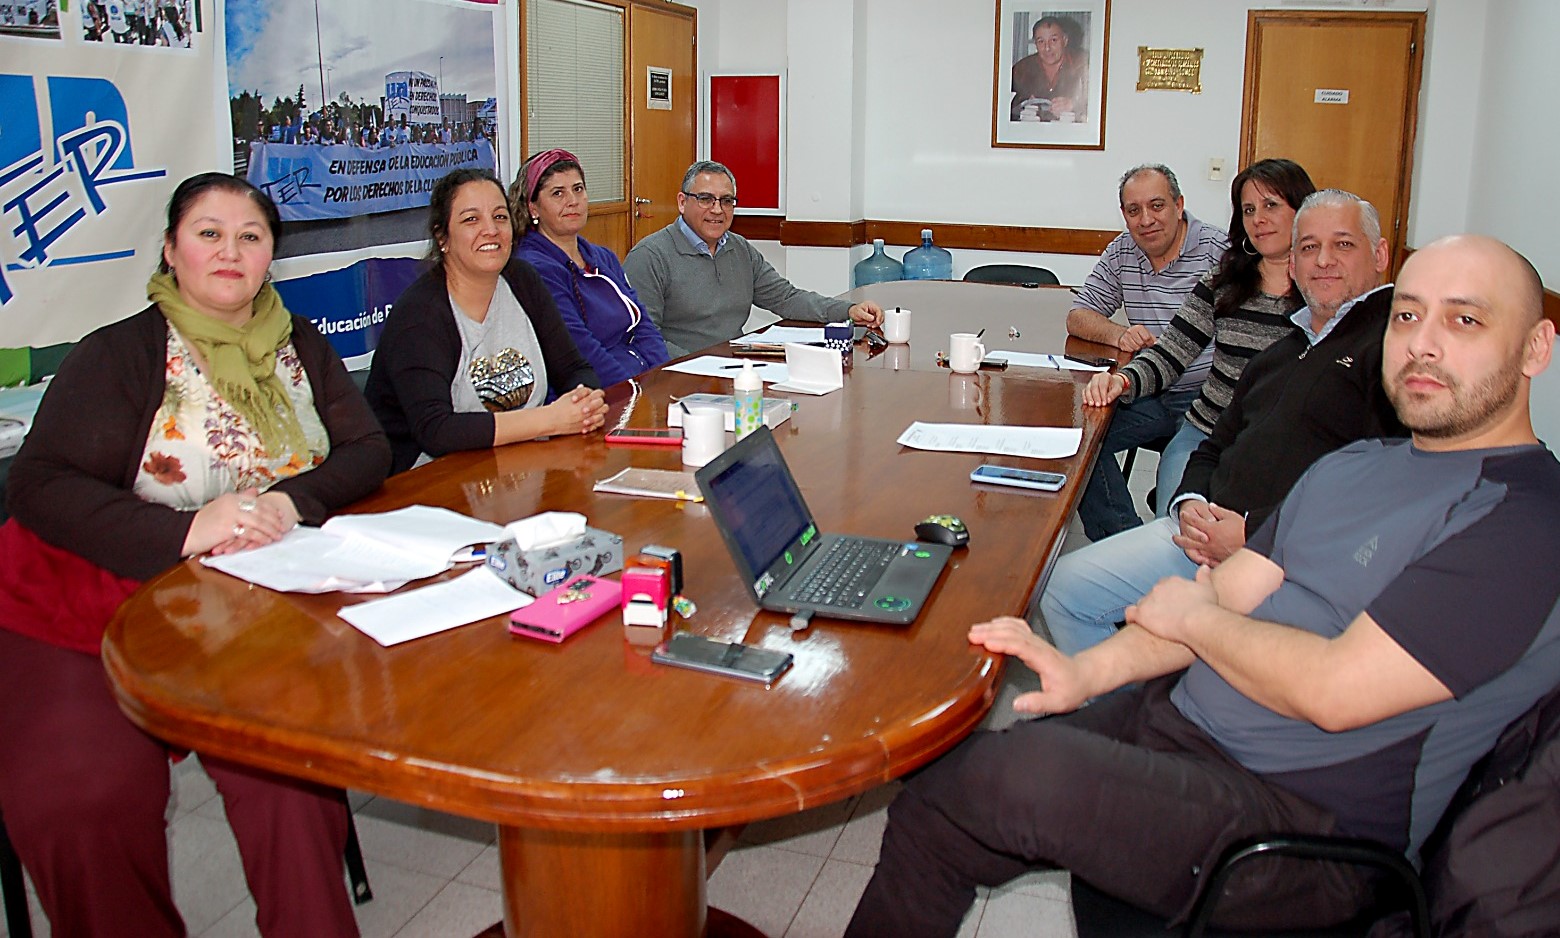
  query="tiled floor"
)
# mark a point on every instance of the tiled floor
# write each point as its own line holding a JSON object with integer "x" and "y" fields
{"x": 436, "y": 875}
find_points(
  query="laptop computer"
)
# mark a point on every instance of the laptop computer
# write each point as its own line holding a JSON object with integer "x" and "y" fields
{"x": 788, "y": 565}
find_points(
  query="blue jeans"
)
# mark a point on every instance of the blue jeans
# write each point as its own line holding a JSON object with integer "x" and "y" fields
{"x": 1172, "y": 465}
{"x": 1091, "y": 588}
{"x": 1106, "y": 507}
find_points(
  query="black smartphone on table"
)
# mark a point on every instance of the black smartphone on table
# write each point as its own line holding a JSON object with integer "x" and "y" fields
{"x": 730, "y": 659}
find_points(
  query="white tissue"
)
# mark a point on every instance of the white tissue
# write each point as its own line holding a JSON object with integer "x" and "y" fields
{"x": 546, "y": 529}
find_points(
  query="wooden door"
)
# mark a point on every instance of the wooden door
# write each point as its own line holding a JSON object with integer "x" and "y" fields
{"x": 661, "y": 142}
{"x": 1338, "y": 93}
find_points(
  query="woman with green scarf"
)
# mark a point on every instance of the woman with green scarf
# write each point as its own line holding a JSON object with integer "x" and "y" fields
{"x": 212, "y": 421}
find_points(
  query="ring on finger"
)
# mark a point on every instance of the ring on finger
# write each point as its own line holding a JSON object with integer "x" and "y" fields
{"x": 238, "y": 530}
{"x": 247, "y": 504}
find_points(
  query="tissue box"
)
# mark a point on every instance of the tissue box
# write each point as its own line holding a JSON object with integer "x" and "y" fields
{"x": 538, "y": 570}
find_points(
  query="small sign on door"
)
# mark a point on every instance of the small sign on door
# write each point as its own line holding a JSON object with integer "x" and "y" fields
{"x": 1332, "y": 96}
{"x": 658, "y": 93}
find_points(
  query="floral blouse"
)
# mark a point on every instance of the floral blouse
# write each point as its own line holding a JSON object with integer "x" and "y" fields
{"x": 199, "y": 447}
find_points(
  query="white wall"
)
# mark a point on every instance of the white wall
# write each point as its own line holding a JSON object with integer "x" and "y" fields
{"x": 1448, "y": 108}
{"x": 1514, "y": 132}
{"x": 915, "y": 97}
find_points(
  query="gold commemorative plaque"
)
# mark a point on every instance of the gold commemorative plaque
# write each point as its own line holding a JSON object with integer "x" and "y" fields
{"x": 1170, "y": 69}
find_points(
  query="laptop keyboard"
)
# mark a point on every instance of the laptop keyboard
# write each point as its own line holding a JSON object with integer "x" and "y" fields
{"x": 846, "y": 572}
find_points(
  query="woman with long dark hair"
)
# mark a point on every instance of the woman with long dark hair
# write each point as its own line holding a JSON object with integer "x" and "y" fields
{"x": 1242, "y": 306}
{"x": 474, "y": 354}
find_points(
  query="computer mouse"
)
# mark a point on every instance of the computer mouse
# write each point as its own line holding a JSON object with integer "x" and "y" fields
{"x": 943, "y": 529}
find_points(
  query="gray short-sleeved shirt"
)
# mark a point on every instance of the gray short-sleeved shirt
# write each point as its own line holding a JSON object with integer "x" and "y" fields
{"x": 1453, "y": 555}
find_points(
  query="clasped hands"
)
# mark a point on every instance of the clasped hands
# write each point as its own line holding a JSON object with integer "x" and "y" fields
{"x": 1209, "y": 533}
{"x": 581, "y": 410}
{"x": 240, "y": 520}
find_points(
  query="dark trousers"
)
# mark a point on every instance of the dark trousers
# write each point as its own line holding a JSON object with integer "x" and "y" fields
{"x": 85, "y": 796}
{"x": 1106, "y": 507}
{"x": 1126, "y": 794}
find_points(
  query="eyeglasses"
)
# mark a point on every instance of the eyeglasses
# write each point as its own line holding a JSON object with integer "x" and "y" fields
{"x": 708, "y": 201}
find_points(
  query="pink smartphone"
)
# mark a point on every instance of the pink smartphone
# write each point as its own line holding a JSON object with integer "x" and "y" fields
{"x": 556, "y": 615}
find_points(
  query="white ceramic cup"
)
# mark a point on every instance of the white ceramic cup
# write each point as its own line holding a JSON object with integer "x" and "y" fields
{"x": 896, "y": 325}
{"x": 704, "y": 435}
{"x": 965, "y": 352}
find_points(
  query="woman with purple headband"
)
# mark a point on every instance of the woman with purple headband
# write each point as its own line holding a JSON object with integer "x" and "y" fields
{"x": 586, "y": 281}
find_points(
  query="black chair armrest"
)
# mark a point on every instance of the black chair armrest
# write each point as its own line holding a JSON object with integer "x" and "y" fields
{"x": 1311, "y": 847}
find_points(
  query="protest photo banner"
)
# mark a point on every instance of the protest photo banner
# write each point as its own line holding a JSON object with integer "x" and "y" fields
{"x": 351, "y": 111}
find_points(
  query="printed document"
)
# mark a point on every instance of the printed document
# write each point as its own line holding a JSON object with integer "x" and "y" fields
{"x": 1034, "y": 442}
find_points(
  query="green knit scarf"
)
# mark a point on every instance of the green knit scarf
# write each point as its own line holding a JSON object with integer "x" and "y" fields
{"x": 241, "y": 362}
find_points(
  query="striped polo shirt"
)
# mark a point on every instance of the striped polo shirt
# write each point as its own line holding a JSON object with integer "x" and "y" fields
{"x": 1125, "y": 279}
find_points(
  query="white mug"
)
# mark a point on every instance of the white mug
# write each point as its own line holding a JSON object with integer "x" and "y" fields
{"x": 965, "y": 352}
{"x": 704, "y": 435}
{"x": 896, "y": 325}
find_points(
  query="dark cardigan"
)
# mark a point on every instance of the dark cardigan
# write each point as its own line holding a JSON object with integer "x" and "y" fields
{"x": 1295, "y": 403}
{"x": 72, "y": 481}
{"x": 415, "y": 362}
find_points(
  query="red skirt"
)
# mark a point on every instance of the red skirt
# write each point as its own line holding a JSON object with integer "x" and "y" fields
{"x": 54, "y": 595}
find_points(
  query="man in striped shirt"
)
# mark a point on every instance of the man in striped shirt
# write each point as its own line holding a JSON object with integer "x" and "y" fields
{"x": 1147, "y": 271}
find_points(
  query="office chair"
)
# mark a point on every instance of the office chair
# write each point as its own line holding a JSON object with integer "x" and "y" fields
{"x": 13, "y": 887}
{"x": 1021, "y": 274}
{"x": 1465, "y": 891}
{"x": 1156, "y": 446}
{"x": 357, "y": 873}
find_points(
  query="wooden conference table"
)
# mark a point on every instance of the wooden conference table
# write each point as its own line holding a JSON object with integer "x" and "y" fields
{"x": 601, "y": 769}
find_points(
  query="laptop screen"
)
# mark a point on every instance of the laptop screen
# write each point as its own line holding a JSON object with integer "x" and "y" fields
{"x": 757, "y": 504}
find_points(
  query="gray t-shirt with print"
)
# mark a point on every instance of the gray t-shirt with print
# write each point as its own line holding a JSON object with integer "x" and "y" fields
{"x": 501, "y": 366}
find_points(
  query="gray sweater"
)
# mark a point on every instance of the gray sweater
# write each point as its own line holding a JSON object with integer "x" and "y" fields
{"x": 698, "y": 301}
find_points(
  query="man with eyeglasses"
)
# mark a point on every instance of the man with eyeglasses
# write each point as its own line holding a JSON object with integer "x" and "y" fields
{"x": 698, "y": 280}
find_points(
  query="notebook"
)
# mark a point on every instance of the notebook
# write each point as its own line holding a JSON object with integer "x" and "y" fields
{"x": 788, "y": 566}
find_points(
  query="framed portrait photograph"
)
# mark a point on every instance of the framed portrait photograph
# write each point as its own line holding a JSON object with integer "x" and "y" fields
{"x": 1048, "y": 77}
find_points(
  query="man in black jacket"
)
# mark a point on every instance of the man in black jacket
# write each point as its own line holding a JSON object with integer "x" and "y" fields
{"x": 1301, "y": 398}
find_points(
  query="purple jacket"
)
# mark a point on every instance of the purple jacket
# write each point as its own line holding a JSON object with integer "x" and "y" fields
{"x": 601, "y": 310}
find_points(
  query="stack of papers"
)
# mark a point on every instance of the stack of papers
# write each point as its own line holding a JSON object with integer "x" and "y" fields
{"x": 776, "y": 336}
{"x": 1042, "y": 360}
{"x": 361, "y": 553}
